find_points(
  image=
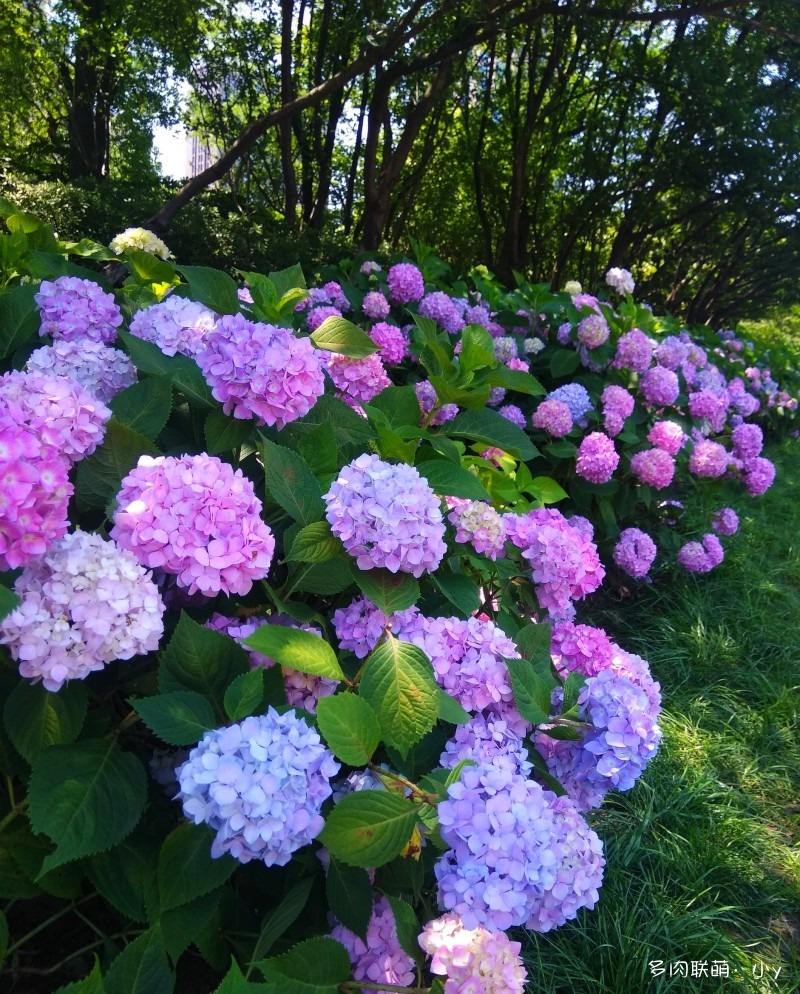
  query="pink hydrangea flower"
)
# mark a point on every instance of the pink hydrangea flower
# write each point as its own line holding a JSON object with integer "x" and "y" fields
{"x": 554, "y": 417}
{"x": 748, "y": 441}
{"x": 197, "y": 519}
{"x": 618, "y": 405}
{"x": 725, "y": 521}
{"x": 654, "y": 467}
{"x": 478, "y": 523}
{"x": 758, "y": 475}
{"x": 175, "y": 325}
{"x": 709, "y": 459}
{"x": 375, "y": 305}
{"x": 74, "y": 309}
{"x": 635, "y": 552}
{"x": 593, "y": 331}
{"x": 358, "y": 380}
{"x": 391, "y": 340}
{"x": 668, "y": 436}
{"x": 597, "y": 458}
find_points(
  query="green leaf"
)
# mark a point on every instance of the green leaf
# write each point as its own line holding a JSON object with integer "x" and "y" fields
{"x": 407, "y": 926}
{"x": 531, "y": 691}
{"x": 181, "y": 370}
{"x": 200, "y": 659}
{"x": 564, "y": 362}
{"x": 149, "y": 267}
{"x": 561, "y": 449}
{"x": 572, "y": 688}
{"x": 349, "y": 894}
{"x": 282, "y": 917}
{"x": 186, "y": 869}
{"x": 299, "y": 650}
{"x": 243, "y": 697}
{"x": 319, "y": 450}
{"x": 141, "y": 968}
{"x": 492, "y": 429}
{"x": 144, "y": 406}
{"x": 450, "y": 710}
{"x": 533, "y": 642}
{"x": 449, "y": 480}
{"x": 516, "y": 379}
{"x": 314, "y": 544}
{"x": 546, "y": 490}
{"x": 19, "y": 318}
{"x": 369, "y": 828}
{"x": 180, "y": 925}
{"x": 316, "y": 966}
{"x": 224, "y": 434}
{"x": 91, "y": 984}
{"x": 348, "y": 427}
{"x": 179, "y": 718}
{"x": 36, "y": 718}
{"x": 389, "y": 591}
{"x": 477, "y": 349}
{"x": 398, "y": 681}
{"x": 99, "y": 476}
{"x": 234, "y": 982}
{"x": 331, "y": 577}
{"x": 290, "y": 278}
{"x": 350, "y": 727}
{"x": 125, "y": 876}
{"x": 8, "y": 601}
{"x": 291, "y": 484}
{"x": 460, "y": 590}
{"x": 211, "y": 287}
{"x": 399, "y": 405}
{"x": 343, "y": 337}
{"x": 86, "y": 797}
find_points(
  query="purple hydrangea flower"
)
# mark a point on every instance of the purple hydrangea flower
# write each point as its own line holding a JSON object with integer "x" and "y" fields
{"x": 671, "y": 352}
{"x": 748, "y": 441}
{"x": 635, "y": 552}
{"x": 597, "y": 458}
{"x": 426, "y": 395}
{"x": 321, "y": 313}
{"x": 175, "y": 325}
{"x": 441, "y": 308}
{"x": 360, "y": 625}
{"x": 618, "y": 405}
{"x": 709, "y": 459}
{"x": 379, "y": 957}
{"x": 74, "y": 310}
{"x": 100, "y": 370}
{"x": 487, "y": 740}
{"x": 634, "y": 351}
{"x": 513, "y": 414}
{"x": 405, "y": 283}
{"x": 260, "y": 370}
{"x": 660, "y": 386}
{"x": 593, "y": 331}
{"x": 701, "y": 557}
{"x": 654, "y": 467}
{"x": 577, "y": 399}
{"x": 725, "y": 521}
{"x": 260, "y": 785}
{"x": 85, "y": 603}
{"x": 197, "y": 519}
{"x": 710, "y": 406}
{"x": 391, "y": 340}
{"x": 758, "y": 475}
{"x": 387, "y": 516}
{"x": 554, "y": 417}
{"x": 375, "y": 306}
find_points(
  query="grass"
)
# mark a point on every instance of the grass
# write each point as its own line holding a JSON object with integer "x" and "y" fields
{"x": 703, "y": 856}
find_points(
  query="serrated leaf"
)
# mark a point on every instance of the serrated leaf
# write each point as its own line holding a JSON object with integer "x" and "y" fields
{"x": 572, "y": 688}
{"x": 211, "y": 287}
{"x": 145, "y": 406}
{"x": 399, "y": 405}
{"x": 350, "y": 895}
{"x": 450, "y": 710}
{"x": 398, "y": 681}
{"x": 290, "y": 278}
{"x": 462, "y": 592}
{"x": 36, "y": 718}
{"x": 447, "y": 479}
{"x": 388, "y": 591}
{"x": 546, "y": 490}
{"x": 319, "y": 450}
{"x": 125, "y": 876}
{"x": 533, "y": 641}
{"x": 315, "y": 966}
{"x": 369, "y": 828}
{"x": 561, "y": 449}
{"x": 179, "y": 718}
{"x": 314, "y": 543}
{"x": 341, "y": 336}
{"x": 200, "y": 659}
{"x": 331, "y": 577}
{"x": 100, "y": 474}
{"x": 243, "y": 697}
{"x": 224, "y": 434}
{"x": 349, "y": 427}
{"x": 477, "y": 349}
{"x": 86, "y": 797}
{"x": 291, "y": 483}
{"x": 180, "y": 925}
{"x": 8, "y": 601}
{"x": 299, "y": 650}
{"x": 492, "y": 429}
{"x": 181, "y": 370}
{"x": 141, "y": 968}
{"x": 282, "y": 917}
{"x": 91, "y": 984}
{"x": 235, "y": 982}
{"x": 350, "y": 727}
{"x": 531, "y": 691}
{"x": 19, "y": 318}
{"x": 407, "y": 926}
{"x": 517, "y": 380}
{"x": 186, "y": 869}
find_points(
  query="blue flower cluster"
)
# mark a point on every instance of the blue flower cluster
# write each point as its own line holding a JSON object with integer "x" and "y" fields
{"x": 260, "y": 784}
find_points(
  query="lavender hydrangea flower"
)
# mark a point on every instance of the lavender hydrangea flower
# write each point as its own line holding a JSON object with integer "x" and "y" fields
{"x": 391, "y": 341}
{"x": 725, "y": 521}
{"x": 100, "y": 370}
{"x": 379, "y": 957}
{"x": 618, "y": 405}
{"x": 261, "y": 370}
{"x": 634, "y": 351}
{"x": 386, "y": 516}
{"x": 375, "y": 306}
{"x": 597, "y": 458}
{"x": 75, "y": 310}
{"x": 405, "y": 283}
{"x": 260, "y": 785}
{"x": 360, "y": 625}
{"x": 487, "y": 740}
{"x": 748, "y": 441}
{"x": 512, "y": 844}
{"x": 703, "y": 556}
{"x": 505, "y": 348}
{"x": 660, "y": 386}
{"x": 85, "y": 603}
{"x": 554, "y": 417}
{"x": 426, "y": 395}
{"x": 635, "y": 552}
{"x": 671, "y": 352}
{"x": 593, "y": 331}
{"x": 577, "y": 399}
{"x": 580, "y": 648}
{"x": 475, "y": 961}
{"x": 317, "y": 315}
{"x": 513, "y": 414}
{"x": 175, "y": 325}
{"x": 197, "y": 519}
{"x": 440, "y": 307}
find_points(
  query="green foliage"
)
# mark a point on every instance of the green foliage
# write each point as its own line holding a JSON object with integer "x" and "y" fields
{"x": 350, "y": 727}
{"x": 369, "y": 828}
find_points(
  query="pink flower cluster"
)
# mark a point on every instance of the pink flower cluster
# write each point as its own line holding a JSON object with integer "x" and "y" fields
{"x": 391, "y": 341}
{"x": 478, "y": 523}
{"x": 554, "y": 417}
{"x": 76, "y": 309}
{"x": 197, "y": 519}
{"x": 668, "y": 436}
{"x": 593, "y": 331}
{"x": 100, "y": 370}
{"x": 708, "y": 459}
{"x": 260, "y": 370}
{"x": 379, "y": 958}
{"x": 653, "y": 467}
{"x": 725, "y": 521}
{"x": 702, "y": 556}
{"x": 387, "y": 516}
{"x": 475, "y": 961}
{"x": 597, "y": 458}
{"x": 634, "y": 351}
{"x": 175, "y": 325}
{"x": 635, "y": 552}
{"x": 358, "y": 380}
{"x": 375, "y": 306}
{"x": 618, "y": 405}
{"x": 85, "y": 603}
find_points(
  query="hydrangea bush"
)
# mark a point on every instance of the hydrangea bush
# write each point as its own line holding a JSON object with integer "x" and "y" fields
{"x": 292, "y": 666}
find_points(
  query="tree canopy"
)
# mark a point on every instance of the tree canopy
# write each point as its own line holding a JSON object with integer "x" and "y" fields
{"x": 552, "y": 139}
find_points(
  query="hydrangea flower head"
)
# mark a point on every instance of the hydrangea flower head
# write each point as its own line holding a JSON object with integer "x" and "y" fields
{"x": 426, "y": 395}
{"x": 582, "y": 649}
{"x": 387, "y": 516}
{"x": 358, "y": 380}
{"x": 197, "y": 519}
{"x": 360, "y": 625}
{"x": 258, "y": 370}
{"x": 620, "y": 280}
{"x": 76, "y": 309}
{"x": 667, "y": 436}
{"x": 487, "y": 739}
{"x": 505, "y": 348}
{"x": 473, "y": 960}
{"x": 634, "y": 351}
{"x": 317, "y": 315}
{"x": 703, "y": 556}
{"x": 554, "y": 417}
{"x": 478, "y": 523}
{"x": 391, "y": 340}
{"x": 405, "y": 283}
{"x": 748, "y": 441}
{"x": 260, "y": 785}
{"x": 513, "y": 414}
{"x": 100, "y": 370}
{"x": 379, "y": 958}
{"x": 725, "y": 521}
{"x": 597, "y": 458}
{"x": 593, "y": 331}
{"x": 671, "y": 352}
{"x": 577, "y": 399}
{"x": 441, "y": 308}
{"x": 758, "y": 475}
{"x": 139, "y": 239}
{"x": 175, "y": 325}
{"x": 654, "y": 467}
{"x": 375, "y": 305}
{"x": 618, "y": 405}
{"x": 660, "y": 386}
{"x": 85, "y": 603}
{"x": 635, "y": 552}
{"x": 709, "y": 459}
